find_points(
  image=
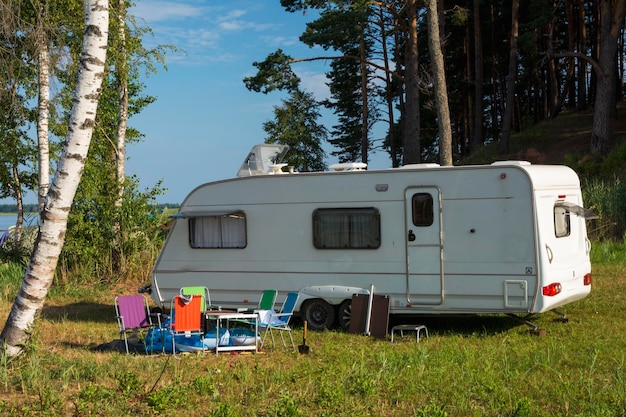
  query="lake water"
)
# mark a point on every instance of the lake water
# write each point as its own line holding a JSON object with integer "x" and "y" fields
{"x": 8, "y": 220}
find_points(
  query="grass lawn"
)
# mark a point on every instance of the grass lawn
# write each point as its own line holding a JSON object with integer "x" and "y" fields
{"x": 472, "y": 366}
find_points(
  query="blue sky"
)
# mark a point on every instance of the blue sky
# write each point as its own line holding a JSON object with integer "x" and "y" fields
{"x": 205, "y": 121}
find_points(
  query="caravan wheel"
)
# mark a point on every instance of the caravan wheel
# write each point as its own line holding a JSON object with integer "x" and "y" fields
{"x": 318, "y": 313}
{"x": 345, "y": 312}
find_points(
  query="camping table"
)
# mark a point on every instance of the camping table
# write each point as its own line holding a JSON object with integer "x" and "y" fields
{"x": 226, "y": 315}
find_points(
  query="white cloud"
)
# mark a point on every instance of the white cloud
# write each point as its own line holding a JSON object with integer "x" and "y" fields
{"x": 315, "y": 82}
{"x": 158, "y": 11}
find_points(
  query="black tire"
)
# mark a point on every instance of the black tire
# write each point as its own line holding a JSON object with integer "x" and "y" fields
{"x": 318, "y": 313}
{"x": 344, "y": 314}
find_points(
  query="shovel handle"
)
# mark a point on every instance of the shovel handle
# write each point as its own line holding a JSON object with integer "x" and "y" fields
{"x": 305, "y": 328}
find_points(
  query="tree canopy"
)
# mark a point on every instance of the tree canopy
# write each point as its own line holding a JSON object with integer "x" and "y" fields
{"x": 505, "y": 70}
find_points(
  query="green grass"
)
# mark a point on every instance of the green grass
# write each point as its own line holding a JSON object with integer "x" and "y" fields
{"x": 471, "y": 366}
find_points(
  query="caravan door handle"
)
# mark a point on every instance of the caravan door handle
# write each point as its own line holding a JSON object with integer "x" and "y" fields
{"x": 411, "y": 236}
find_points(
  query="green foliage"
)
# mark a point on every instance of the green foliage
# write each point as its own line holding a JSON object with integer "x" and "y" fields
{"x": 166, "y": 398}
{"x": 609, "y": 251}
{"x": 16, "y": 147}
{"x": 274, "y": 73}
{"x": 608, "y": 200}
{"x": 295, "y": 124}
{"x": 11, "y": 275}
{"x": 18, "y": 251}
{"x": 128, "y": 383}
{"x": 109, "y": 241}
{"x": 605, "y": 169}
{"x": 431, "y": 411}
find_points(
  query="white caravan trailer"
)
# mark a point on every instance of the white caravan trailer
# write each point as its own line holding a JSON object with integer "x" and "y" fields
{"x": 509, "y": 237}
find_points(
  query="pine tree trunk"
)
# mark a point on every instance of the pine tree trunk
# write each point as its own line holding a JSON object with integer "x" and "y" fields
{"x": 611, "y": 21}
{"x": 40, "y": 271}
{"x": 411, "y": 117}
{"x": 365, "y": 141}
{"x": 581, "y": 99}
{"x": 507, "y": 118}
{"x": 393, "y": 147}
{"x": 439, "y": 79}
{"x": 476, "y": 142}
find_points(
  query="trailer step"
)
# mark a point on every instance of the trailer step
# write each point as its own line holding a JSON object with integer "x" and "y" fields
{"x": 409, "y": 327}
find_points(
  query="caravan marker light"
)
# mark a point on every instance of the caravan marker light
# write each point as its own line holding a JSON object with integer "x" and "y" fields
{"x": 587, "y": 279}
{"x": 552, "y": 289}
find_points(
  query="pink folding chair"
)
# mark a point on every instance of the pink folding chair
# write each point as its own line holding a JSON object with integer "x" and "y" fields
{"x": 133, "y": 313}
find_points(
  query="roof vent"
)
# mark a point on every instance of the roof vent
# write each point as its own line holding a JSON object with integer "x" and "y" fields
{"x": 517, "y": 163}
{"x": 420, "y": 166}
{"x": 349, "y": 166}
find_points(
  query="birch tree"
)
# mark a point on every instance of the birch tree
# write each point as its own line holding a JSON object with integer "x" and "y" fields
{"x": 40, "y": 271}
{"x": 123, "y": 101}
{"x": 43, "y": 103}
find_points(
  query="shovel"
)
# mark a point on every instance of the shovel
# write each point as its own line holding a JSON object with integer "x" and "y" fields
{"x": 303, "y": 348}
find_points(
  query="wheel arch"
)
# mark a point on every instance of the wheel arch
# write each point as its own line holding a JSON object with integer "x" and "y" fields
{"x": 332, "y": 294}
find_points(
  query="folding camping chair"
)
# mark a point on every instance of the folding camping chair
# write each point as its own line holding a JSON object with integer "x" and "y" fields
{"x": 132, "y": 313}
{"x": 268, "y": 298}
{"x": 280, "y": 321}
{"x": 186, "y": 324}
{"x": 203, "y": 292}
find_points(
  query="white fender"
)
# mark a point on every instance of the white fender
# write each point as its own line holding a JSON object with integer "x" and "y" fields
{"x": 332, "y": 294}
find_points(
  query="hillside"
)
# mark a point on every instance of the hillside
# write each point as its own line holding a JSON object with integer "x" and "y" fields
{"x": 566, "y": 139}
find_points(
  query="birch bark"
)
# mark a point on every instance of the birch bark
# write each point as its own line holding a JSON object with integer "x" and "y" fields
{"x": 43, "y": 142}
{"x": 40, "y": 271}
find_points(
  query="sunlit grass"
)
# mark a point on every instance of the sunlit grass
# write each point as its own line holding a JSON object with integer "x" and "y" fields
{"x": 473, "y": 366}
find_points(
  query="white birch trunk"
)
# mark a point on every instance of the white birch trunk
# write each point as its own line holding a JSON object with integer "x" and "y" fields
{"x": 43, "y": 143}
{"x": 123, "y": 104}
{"x": 40, "y": 272}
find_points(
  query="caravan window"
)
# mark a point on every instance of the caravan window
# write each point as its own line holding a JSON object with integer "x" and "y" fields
{"x": 422, "y": 204}
{"x": 346, "y": 228}
{"x": 562, "y": 225}
{"x": 220, "y": 231}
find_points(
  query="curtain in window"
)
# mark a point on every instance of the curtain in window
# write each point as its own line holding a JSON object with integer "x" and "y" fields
{"x": 233, "y": 232}
{"x": 360, "y": 234}
{"x": 218, "y": 231}
{"x": 354, "y": 228}
{"x": 335, "y": 231}
{"x": 207, "y": 232}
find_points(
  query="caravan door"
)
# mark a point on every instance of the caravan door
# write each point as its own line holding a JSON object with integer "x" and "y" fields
{"x": 424, "y": 246}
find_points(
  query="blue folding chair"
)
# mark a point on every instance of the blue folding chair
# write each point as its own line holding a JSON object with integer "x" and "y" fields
{"x": 280, "y": 321}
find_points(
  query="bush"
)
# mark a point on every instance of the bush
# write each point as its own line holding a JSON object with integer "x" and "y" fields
{"x": 608, "y": 200}
{"x": 110, "y": 242}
